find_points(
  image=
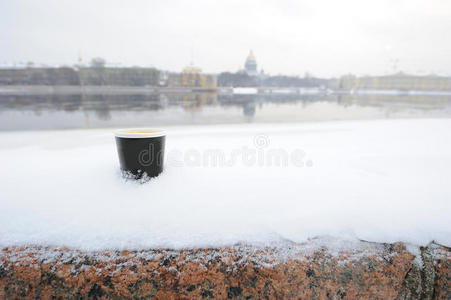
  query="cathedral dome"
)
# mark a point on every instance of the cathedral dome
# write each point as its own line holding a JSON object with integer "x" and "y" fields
{"x": 250, "y": 65}
{"x": 251, "y": 56}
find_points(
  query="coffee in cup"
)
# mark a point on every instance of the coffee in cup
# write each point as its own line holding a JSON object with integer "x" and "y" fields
{"x": 141, "y": 152}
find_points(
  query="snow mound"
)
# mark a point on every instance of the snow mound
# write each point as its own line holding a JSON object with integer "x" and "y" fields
{"x": 381, "y": 181}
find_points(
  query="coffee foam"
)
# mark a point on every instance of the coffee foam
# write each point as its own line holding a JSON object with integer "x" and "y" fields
{"x": 139, "y": 133}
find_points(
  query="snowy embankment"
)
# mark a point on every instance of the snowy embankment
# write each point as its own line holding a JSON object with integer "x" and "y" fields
{"x": 381, "y": 181}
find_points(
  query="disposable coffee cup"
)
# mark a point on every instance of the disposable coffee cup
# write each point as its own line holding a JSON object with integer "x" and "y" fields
{"x": 141, "y": 152}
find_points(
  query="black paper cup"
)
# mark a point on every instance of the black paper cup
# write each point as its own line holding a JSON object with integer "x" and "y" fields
{"x": 141, "y": 152}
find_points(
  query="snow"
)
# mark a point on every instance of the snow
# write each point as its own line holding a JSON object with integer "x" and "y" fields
{"x": 237, "y": 255}
{"x": 402, "y": 92}
{"x": 379, "y": 180}
{"x": 245, "y": 91}
{"x": 311, "y": 91}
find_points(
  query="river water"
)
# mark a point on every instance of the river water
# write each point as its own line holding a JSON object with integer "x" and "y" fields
{"x": 52, "y": 111}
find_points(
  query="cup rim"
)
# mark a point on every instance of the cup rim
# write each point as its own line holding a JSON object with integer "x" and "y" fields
{"x": 127, "y": 133}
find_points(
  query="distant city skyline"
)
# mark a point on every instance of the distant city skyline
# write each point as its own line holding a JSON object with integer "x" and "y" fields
{"x": 325, "y": 38}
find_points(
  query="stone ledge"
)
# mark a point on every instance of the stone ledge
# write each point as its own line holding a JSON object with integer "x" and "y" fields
{"x": 306, "y": 271}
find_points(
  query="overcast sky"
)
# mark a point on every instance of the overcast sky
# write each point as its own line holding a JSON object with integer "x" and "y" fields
{"x": 324, "y": 37}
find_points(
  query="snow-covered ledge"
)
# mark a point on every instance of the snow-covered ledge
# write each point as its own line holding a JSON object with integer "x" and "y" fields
{"x": 237, "y": 226}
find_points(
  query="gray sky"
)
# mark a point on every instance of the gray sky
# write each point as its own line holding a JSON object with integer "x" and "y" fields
{"x": 324, "y": 37}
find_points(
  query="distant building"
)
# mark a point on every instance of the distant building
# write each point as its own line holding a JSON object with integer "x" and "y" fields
{"x": 39, "y": 76}
{"x": 247, "y": 77}
{"x": 250, "y": 66}
{"x": 81, "y": 76}
{"x": 119, "y": 76}
{"x": 398, "y": 81}
{"x": 192, "y": 77}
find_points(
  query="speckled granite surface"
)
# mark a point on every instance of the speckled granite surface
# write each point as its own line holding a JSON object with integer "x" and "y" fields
{"x": 296, "y": 271}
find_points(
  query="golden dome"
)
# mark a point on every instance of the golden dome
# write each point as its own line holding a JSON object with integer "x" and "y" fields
{"x": 251, "y": 56}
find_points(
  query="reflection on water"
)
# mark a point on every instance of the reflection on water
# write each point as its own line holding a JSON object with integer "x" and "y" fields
{"x": 53, "y": 111}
